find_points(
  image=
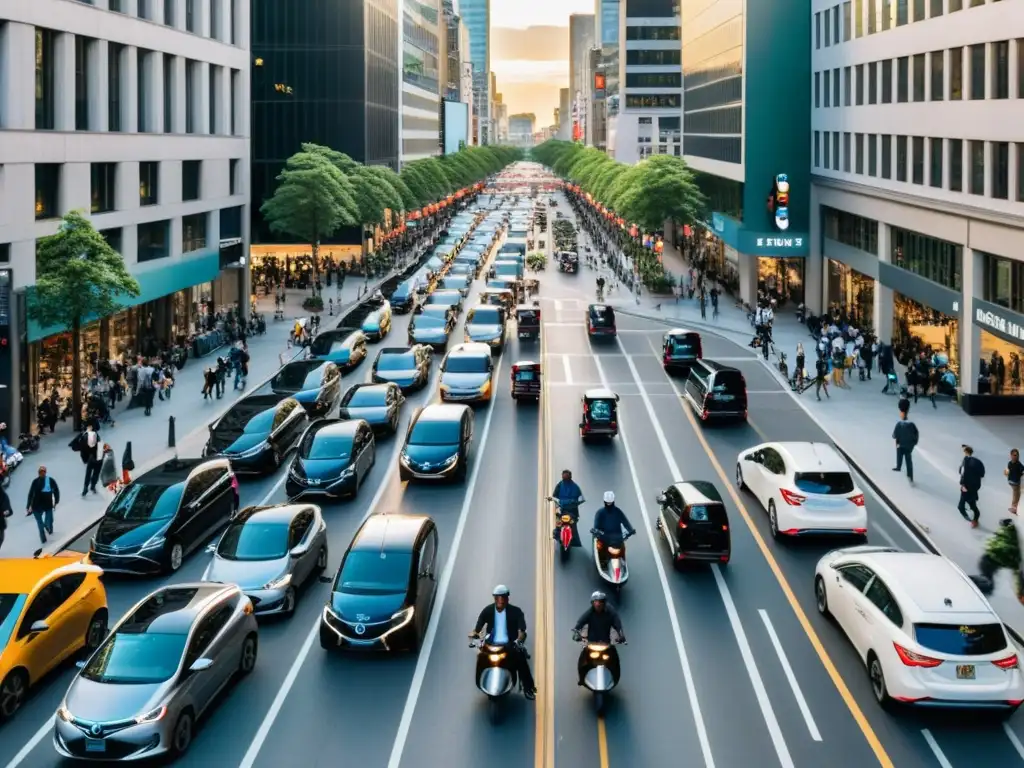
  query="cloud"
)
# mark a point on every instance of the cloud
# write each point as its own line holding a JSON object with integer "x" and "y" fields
{"x": 555, "y": 73}
{"x": 542, "y": 43}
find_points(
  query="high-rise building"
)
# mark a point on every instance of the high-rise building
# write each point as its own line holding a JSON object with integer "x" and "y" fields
{"x": 453, "y": 28}
{"x": 521, "y": 128}
{"x": 733, "y": 135}
{"x": 605, "y": 89}
{"x": 917, "y": 180}
{"x": 581, "y": 40}
{"x": 476, "y": 14}
{"x": 650, "y": 81}
{"x": 455, "y": 112}
{"x": 500, "y": 120}
{"x": 564, "y": 114}
{"x": 424, "y": 61}
{"x": 147, "y": 131}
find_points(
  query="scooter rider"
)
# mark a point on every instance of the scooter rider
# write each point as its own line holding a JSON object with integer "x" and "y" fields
{"x": 609, "y": 522}
{"x": 568, "y": 494}
{"x": 599, "y": 619}
{"x": 506, "y": 626}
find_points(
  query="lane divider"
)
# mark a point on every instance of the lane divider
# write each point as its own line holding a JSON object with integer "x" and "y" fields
{"x": 544, "y": 647}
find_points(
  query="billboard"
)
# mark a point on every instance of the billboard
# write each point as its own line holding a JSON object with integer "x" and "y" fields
{"x": 456, "y": 126}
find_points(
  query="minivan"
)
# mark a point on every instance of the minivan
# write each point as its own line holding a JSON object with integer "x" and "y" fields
{"x": 694, "y": 522}
{"x": 716, "y": 391}
{"x": 403, "y": 300}
{"x": 511, "y": 269}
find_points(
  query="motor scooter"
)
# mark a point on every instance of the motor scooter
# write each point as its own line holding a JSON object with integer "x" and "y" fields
{"x": 599, "y": 664}
{"x": 496, "y": 677}
{"x": 565, "y": 533}
{"x": 611, "y": 561}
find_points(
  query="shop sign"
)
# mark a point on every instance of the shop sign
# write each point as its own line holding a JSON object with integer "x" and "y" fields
{"x": 227, "y": 243}
{"x": 718, "y": 222}
{"x": 780, "y": 242}
{"x": 1002, "y": 322}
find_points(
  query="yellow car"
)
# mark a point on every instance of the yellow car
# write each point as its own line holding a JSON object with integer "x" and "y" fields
{"x": 50, "y": 609}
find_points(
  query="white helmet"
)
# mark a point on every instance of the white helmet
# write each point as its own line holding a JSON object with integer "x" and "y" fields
{"x": 500, "y": 591}
{"x": 609, "y": 497}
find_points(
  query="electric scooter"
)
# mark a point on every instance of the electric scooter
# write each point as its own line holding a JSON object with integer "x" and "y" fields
{"x": 599, "y": 663}
{"x": 565, "y": 532}
{"x": 611, "y": 561}
{"x": 495, "y": 677}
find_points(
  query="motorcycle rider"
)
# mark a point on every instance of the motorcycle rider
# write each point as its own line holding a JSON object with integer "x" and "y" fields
{"x": 506, "y": 626}
{"x": 599, "y": 619}
{"x": 609, "y": 522}
{"x": 568, "y": 494}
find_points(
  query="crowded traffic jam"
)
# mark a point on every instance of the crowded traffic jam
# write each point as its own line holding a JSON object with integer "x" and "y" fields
{"x": 479, "y": 432}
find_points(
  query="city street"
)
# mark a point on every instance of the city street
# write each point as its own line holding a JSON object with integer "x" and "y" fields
{"x": 726, "y": 665}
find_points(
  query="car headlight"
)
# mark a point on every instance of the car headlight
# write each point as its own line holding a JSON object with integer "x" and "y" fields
{"x": 152, "y": 716}
{"x": 280, "y": 581}
{"x": 445, "y": 388}
{"x": 155, "y": 542}
{"x": 347, "y": 471}
{"x": 451, "y": 461}
{"x": 403, "y": 617}
{"x": 295, "y": 474}
{"x": 65, "y": 714}
{"x": 256, "y": 450}
{"x": 485, "y": 387}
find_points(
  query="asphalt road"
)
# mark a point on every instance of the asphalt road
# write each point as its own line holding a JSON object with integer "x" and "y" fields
{"x": 725, "y": 666}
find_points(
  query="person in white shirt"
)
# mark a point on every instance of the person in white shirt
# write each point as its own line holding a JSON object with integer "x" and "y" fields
{"x": 506, "y": 625}
{"x": 92, "y": 455}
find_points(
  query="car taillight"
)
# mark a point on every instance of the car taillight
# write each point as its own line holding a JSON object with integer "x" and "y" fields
{"x": 911, "y": 659}
{"x": 682, "y": 525}
{"x": 793, "y": 499}
{"x": 704, "y": 415}
{"x": 1010, "y": 662}
{"x": 668, "y": 358}
{"x": 858, "y": 500}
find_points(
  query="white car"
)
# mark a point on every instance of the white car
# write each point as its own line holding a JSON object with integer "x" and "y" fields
{"x": 807, "y": 489}
{"x": 926, "y": 634}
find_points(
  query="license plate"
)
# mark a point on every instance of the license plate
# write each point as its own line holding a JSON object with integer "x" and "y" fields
{"x": 964, "y": 671}
{"x": 95, "y": 745}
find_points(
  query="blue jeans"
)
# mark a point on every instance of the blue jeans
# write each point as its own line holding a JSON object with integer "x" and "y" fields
{"x": 238, "y": 375}
{"x": 905, "y": 454}
{"x": 44, "y": 521}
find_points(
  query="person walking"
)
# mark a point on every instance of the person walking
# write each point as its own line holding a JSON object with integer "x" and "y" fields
{"x": 1014, "y": 472}
{"x": 147, "y": 387}
{"x": 43, "y": 498}
{"x": 801, "y": 361}
{"x": 820, "y": 377}
{"x": 5, "y": 512}
{"x": 905, "y": 435}
{"x": 92, "y": 457}
{"x": 972, "y": 472}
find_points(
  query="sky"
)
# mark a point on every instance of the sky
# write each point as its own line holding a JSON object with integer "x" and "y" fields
{"x": 530, "y": 52}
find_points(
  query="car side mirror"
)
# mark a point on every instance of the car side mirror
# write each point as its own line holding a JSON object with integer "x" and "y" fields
{"x": 750, "y": 457}
{"x": 661, "y": 498}
{"x": 299, "y": 551}
{"x": 39, "y": 626}
{"x": 201, "y": 665}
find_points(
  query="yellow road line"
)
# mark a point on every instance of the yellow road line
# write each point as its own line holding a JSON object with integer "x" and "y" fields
{"x": 544, "y": 737}
{"x": 602, "y": 743}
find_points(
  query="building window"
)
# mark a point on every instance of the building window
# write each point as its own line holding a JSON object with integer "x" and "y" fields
{"x": 233, "y": 177}
{"x": 817, "y": 30}
{"x": 847, "y": 20}
{"x": 114, "y": 237}
{"x": 859, "y": 73}
{"x": 149, "y": 183}
{"x": 977, "y": 149}
{"x": 846, "y": 152}
{"x": 47, "y": 190}
{"x": 917, "y": 160}
{"x": 929, "y": 257}
{"x": 817, "y": 149}
{"x": 835, "y": 24}
{"x": 214, "y": 76}
{"x": 142, "y": 90}
{"x": 835, "y": 150}
{"x": 850, "y": 229}
{"x": 234, "y": 21}
{"x": 887, "y": 81}
{"x": 847, "y": 86}
{"x": 887, "y": 15}
{"x": 193, "y": 232}
{"x": 45, "y": 87}
{"x": 145, "y": 12}
{"x": 168, "y": 75}
{"x": 653, "y": 101}
{"x": 190, "y": 15}
{"x": 82, "y": 47}
{"x": 935, "y": 170}
{"x": 115, "y": 5}
{"x": 828, "y": 88}
{"x": 956, "y": 165}
{"x": 215, "y": 20}
{"x": 817, "y": 90}
{"x": 938, "y": 60}
{"x": 1004, "y": 282}
{"x": 169, "y": 12}
{"x": 956, "y": 5}
{"x": 956, "y": 74}
{"x": 1020, "y": 68}
{"x": 858, "y": 21}
{"x": 936, "y": 8}
{"x": 886, "y": 156}
{"x": 873, "y": 82}
{"x": 919, "y": 10}
{"x": 919, "y": 70}
{"x": 872, "y": 155}
{"x": 835, "y": 87}
{"x": 114, "y": 57}
{"x": 828, "y": 27}
{"x": 902, "y": 13}
{"x": 103, "y": 180}
{"x": 1000, "y": 170}
{"x": 828, "y": 154}
{"x": 1001, "y": 69}
{"x": 901, "y": 158}
{"x": 859, "y": 159}
{"x": 235, "y": 75}
{"x": 977, "y": 71}
{"x": 872, "y": 16}
{"x": 902, "y": 76}
{"x": 190, "y": 175}
{"x": 1020, "y": 173}
{"x": 154, "y": 240}
{"x": 652, "y": 33}
{"x": 191, "y": 76}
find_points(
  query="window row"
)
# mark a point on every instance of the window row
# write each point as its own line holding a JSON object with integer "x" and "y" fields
{"x": 855, "y": 18}
{"x": 850, "y": 229}
{"x": 976, "y": 72}
{"x": 957, "y": 165}
{"x": 221, "y": 20}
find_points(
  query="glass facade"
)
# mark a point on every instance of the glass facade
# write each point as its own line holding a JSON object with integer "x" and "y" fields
{"x": 850, "y": 229}
{"x": 476, "y": 15}
{"x": 609, "y": 22}
{"x": 851, "y": 294}
{"x": 421, "y": 46}
{"x": 782, "y": 279}
{"x": 1002, "y": 366}
{"x": 929, "y": 257}
{"x": 1003, "y": 282}
{"x": 917, "y": 329}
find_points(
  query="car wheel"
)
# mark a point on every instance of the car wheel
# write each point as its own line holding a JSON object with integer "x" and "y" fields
{"x": 326, "y": 641}
{"x": 250, "y": 650}
{"x": 877, "y": 677}
{"x": 12, "y": 693}
{"x": 288, "y": 607}
{"x": 175, "y": 556}
{"x": 404, "y": 475}
{"x": 321, "y": 560}
{"x": 739, "y": 478}
{"x": 181, "y": 739}
{"x": 95, "y": 632}
{"x": 821, "y": 596}
{"x": 773, "y": 519}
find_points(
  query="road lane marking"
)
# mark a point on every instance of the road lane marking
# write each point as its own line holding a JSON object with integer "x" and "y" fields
{"x": 32, "y": 743}
{"x": 677, "y": 634}
{"x": 760, "y": 692}
{"x": 544, "y": 645}
{"x": 567, "y": 369}
{"x": 602, "y": 742}
{"x": 427, "y": 646}
{"x": 1014, "y": 740}
{"x": 933, "y": 745}
{"x": 837, "y": 679}
{"x": 801, "y": 702}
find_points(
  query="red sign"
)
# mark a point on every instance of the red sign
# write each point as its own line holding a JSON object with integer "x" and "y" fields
{"x": 599, "y": 81}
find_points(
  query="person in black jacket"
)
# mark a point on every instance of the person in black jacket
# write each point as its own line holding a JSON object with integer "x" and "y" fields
{"x": 906, "y": 436}
{"x": 972, "y": 472}
{"x": 5, "y": 512}
{"x": 506, "y": 626}
{"x": 43, "y": 498}
{"x": 599, "y": 619}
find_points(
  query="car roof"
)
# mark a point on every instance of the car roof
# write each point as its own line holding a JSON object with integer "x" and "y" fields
{"x": 397, "y": 351}
{"x": 444, "y": 412}
{"x": 173, "y": 472}
{"x": 600, "y": 394}
{"x": 337, "y": 428}
{"x": 679, "y": 332}
{"x": 392, "y": 532}
{"x": 713, "y": 366}
{"x": 696, "y": 491}
{"x": 928, "y": 580}
{"x": 812, "y": 456}
{"x": 20, "y": 575}
{"x": 275, "y": 513}
{"x": 172, "y": 610}
{"x": 470, "y": 349}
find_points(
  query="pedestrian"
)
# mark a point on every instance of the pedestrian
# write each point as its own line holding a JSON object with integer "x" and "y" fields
{"x": 972, "y": 472}
{"x": 801, "y": 361}
{"x": 820, "y": 378}
{"x": 243, "y": 363}
{"x": 92, "y": 457}
{"x": 147, "y": 388}
{"x": 209, "y": 382}
{"x": 236, "y": 499}
{"x": 903, "y": 406}
{"x": 905, "y": 435}
{"x": 222, "y": 376}
{"x": 5, "y": 512}
{"x": 43, "y": 498}
{"x": 330, "y": 306}
{"x": 108, "y": 468}
{"x": 703, "y": 306}
{"x": 236, "y": 362}
{"x": 1014, "y": 472}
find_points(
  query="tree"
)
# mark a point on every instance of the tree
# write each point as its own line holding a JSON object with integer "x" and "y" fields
{"x": 79, "y": 276}
{"x": 313, "y": 199}
{"x": 408, "y": 198}
{"x": 373, "y": 195}
{"x": 419, "y": 183}
{"x": 433, "y": 168}
{"x": 663, "y": 189}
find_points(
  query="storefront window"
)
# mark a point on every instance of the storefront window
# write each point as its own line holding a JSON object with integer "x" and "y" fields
{"x": 1004, "y": 282}
{"x": 850, "y": 229}
{"x": 851, "y": 294}
{"x": 781, "y": 279}
{"x": 1001, "y": 366}
{"x": 929, "y": 257}
{"x": 917, "y": 329}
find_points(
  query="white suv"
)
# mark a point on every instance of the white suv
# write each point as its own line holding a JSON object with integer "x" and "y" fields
{"x": 925, "y": 632}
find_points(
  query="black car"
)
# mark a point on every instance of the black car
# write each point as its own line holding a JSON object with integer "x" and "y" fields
{"x": 332, "y": 460}
{"x": 432, "y": 326}
{"x": 384, "y": 591}
{"x": 379, "y": 405}
{"x": 408, "y": 367}
{"x": 716, "y": 391}
{"x": 316, "y": 384}
{"x": 601, "y": 321}
{"x": 161, "y": 516}
{"x": 437, "y": 445}
{"x": 679, "y": 349}
{"x": 257, "y": 432}
{"x": 346, "y": 347}
{"x": 695, "y": 523}
{"x": 403, "y": 300}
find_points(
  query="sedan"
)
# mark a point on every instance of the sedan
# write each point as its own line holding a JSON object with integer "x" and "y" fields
{"x": 437, "y": 445}
{"x": 452, "y": 299}
{"x": 432, "y": 327}
{"x": 333, "y": 459}
{"x": 377, "y": 324}
{"x": 256, "y": 433}
{"x": 409, "y": 368}
{"x": 466, "y": 374}
{"x": 379, "y": 405}
{"x": 459, "y": 283}
{"x": 486, "y": 325}
{"x": 344, "y": 346}
{"x": 271, "y": 552}
{"x": 138, "y": 696}
{"x": 314, "y": 383}
{"x": 462, "y": 268}
{"x": 807, "y": 489}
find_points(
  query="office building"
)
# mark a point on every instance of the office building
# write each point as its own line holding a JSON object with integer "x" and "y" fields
{"x": 581, "y": 40}
{"x": 521, "y": 128}
{"x": 564, "y": 115}
{"x": 500, "y": 120}
{"x": 424, "y": 58}
{"x": 743, "y": 126}
{"x": 605, "y": 68}
{"x": 917, "y": 195}
{"x": 143, "y": 123}
{"x": 476, "y": 15}
{"x": 650, "y": 80}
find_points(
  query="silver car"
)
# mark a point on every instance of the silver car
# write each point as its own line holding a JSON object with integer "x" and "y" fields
{"x": 139, "y": 694}
{"x": 270, "y": 552}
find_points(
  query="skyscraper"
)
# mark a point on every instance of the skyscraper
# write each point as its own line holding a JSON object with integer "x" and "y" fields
{"x": 424, "y": 59}
{"x": 581, "y": 40}
{"x": 564, "y": 115}
{"x": 476, "y": 14}
{"x": 605, "y": 69}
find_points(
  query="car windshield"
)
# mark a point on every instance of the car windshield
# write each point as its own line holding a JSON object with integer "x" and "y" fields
{"x": 600, "y": 410}
{"x": 435, "y": 433}
{"x": 961, "y": 640}
{"x": 260, "y": 423}
{"x": 372, "y": 572}
{"x": 320, "y": 446}
{"x": 368, "y": 397}
{"x": 254, "y": 541}
{"x": 136, "y": 658}
{"x": 467, "y": 364}
{"x": 324, "y": 344}
{"x": 403, "y": 362}
{"x": 603, "y": 316}
{"x": 484, "y": 316}
{"x": 430, "y": 321}
{"x": 293, "y": 378}
{"x": 507, "y": 269}
{"x": 830, "y": 483}
{"x": 682, "y": 343}
{"x": 139, "y": 501}
{"x": 443, "y": 298}
{"x": 11, "y": 607}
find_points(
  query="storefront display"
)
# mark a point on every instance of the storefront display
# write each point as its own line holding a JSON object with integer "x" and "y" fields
{"x": 781, "y": 279}
{"x": 851, "y": 294}
{"x": 1002, "y": 365}
{"x": 917, "y": 328}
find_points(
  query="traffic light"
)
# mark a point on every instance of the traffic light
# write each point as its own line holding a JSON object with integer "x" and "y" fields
{"x": 778, "y": 202}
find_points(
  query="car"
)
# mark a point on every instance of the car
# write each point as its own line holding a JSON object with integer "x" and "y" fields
{"x": 256, "y": 432}
{"x": 383, "y": 594}
{"x": 459, "y": 283}
{"x": 432, "y": 326}
{"x": 694, "y": 523}
{"x": 716, "y": 391}
{"x": 486, "y": 324}
{"x": 403, "y": 300}
{"x": 600, "y": 322}
{"x": 379, "y": 405}
{"x": 922, "y": 628}
{"x": 466, "y": 374}
{"x": 332, "y": 460}
{"x": 139, "y": 695}
{"x": 680, "y": 348}
{"x": 807, "y": 488}
{"x": 271, "y": 553}
{"x": 345, "y": 347}
{"x": 408, "y": 367}
{"x": 437, "y": 443}
{"x": 466, "y": 268}
{"x": 377, "y": 324}
{"x": 50, "y": 609}
{"x": 153, "y": 523}
{"x": 316, "y": 384}
{"x": 445, "y": 298}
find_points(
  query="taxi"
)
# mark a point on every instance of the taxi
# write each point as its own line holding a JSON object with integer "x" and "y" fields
{"x": 50, "y": 609}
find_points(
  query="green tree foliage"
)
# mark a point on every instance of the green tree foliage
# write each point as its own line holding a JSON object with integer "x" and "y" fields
{"x": 432, "y": 179}
{"x": 79, "y": 276}
{"x": 374, "y": 195}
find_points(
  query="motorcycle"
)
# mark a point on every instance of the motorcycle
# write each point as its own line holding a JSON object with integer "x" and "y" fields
{"x": 28, "y": 442}
{"x": 565, "y": 526}
{"x": 495, "y": 677}
{"x": 600, "y": 664}
{"x": 611, "y": 561}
